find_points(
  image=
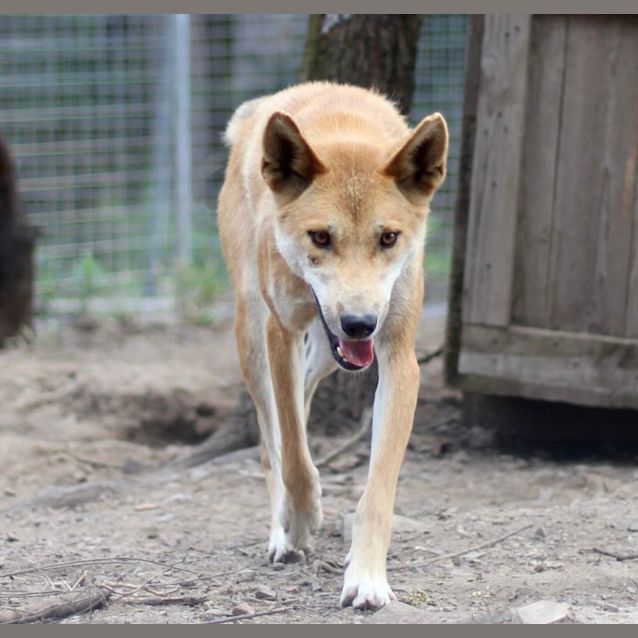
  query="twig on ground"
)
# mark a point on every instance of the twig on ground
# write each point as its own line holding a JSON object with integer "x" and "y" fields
{"x": 189, "y": 601}
{"x": 319, "y": 565}
{"x": 429, "y": 356}
{"x": 144, "y": 585}
{"x": 93, "y": 561}
{"x": 57, "y": 611}
{"x": 80, "y": 580}
{"x": 365, "y": 422}
{"x": 620, "y": 557}
{"x": 98, "y": 465}
{"x": 244, "y": 545}
{"x": 133, "y": 588}
{"x": 267, "y": 612}
{"x": 155, "y": 592}
{"x": 23, "y": 593}
{"x": 474, "y": 548}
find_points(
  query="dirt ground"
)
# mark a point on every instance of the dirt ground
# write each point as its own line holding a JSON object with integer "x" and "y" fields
{"x": 92, "y": 414}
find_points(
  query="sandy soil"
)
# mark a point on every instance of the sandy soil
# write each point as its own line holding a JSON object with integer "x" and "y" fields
{"x": 92, "y": 414}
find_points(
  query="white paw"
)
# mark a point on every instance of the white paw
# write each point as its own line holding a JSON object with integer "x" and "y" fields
{"x": 280, "y": 550}
{"x": 291, "y": 535}
{"x": 364, "y": 591}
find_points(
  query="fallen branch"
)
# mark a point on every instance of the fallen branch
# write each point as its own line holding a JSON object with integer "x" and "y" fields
{"x": 62, "y": 496}
{"x": 474, "y": 548}
{"x": 365, "y": 422}
{"x": 57, "y": 611}
{"x": 189, "y": 601}
{"x": 619, "y": 557}
{"x": 239, "y": 431}
{"x": 426, "y": 358}
{"x": 268, "y": 612}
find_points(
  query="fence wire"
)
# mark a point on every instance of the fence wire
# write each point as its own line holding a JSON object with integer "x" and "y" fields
{"x": 115, "y": 124}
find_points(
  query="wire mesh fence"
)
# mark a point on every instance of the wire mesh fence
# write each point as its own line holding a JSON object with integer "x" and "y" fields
{"x": 115, "y": 124}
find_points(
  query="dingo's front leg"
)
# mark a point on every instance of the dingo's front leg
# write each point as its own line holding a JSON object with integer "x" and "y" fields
{"x": 365, "y": 583}
{"x": 301, "y": 507}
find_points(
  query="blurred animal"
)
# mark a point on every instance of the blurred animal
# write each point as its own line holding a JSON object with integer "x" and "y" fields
{"x": 17, "y": 243}
{"x": 322, "y": 218}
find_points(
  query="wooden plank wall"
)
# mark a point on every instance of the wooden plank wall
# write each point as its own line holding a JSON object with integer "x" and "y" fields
{"x": 537, "y": 190}
{"x": 496, "y": 166}
{"x": 575, "y": 264}
{"x": 550, "y": 288}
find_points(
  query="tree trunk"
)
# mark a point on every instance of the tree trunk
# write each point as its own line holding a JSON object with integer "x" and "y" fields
{"x": 17, "y": 241}
{"x": 373, "y": 51}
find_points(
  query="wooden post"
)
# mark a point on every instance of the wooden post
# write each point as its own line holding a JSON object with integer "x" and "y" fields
{"x": 461, "y": 211}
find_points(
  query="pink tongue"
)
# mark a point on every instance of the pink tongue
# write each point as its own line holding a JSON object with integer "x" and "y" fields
{"x": 359, "y": 353}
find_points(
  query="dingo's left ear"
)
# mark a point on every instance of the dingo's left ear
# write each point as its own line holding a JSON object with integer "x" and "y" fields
{"x": 419, "y": 166}
{"x": 289, "y": 163}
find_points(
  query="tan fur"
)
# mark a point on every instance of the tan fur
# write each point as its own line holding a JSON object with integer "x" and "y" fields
{"x": 340, "y": 160}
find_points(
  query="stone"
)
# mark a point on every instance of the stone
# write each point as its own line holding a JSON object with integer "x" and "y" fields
{"x": 263, "y": 593}
{"x": 243, "y": 608}
{"x": 245, "y": 576}
{"x": 543, "y": 612}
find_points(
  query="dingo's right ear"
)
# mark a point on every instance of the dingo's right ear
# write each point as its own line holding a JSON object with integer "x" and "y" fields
{"x": 289, "y": 164}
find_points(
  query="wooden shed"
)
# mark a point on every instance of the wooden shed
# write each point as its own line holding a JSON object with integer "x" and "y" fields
{"x": 544, "y": 290}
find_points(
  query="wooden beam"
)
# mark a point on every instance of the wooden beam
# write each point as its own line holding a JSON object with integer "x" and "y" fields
{"x": 552, "y": 365}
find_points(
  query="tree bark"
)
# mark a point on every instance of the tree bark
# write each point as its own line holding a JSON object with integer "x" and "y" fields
{"x": 17, "y": 242}
{"x": 372, "y": 51}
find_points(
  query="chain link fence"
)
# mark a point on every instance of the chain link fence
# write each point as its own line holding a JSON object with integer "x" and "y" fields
{"x": 115, "y": 124}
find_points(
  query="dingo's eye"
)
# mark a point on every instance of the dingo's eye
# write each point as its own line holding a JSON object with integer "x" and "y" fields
{"x": 388, "y": 239}
{"x": 320, "y": 238}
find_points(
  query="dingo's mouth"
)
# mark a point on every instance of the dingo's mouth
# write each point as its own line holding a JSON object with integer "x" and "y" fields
{"x": 350, "y": 354}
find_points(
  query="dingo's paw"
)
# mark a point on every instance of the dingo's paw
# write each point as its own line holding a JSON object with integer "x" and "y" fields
{"x": 280, "y": 550}
{"x": 365, "y": 591}
{"x": 291, "y": 539}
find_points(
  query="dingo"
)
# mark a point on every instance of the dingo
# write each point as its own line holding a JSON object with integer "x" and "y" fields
{"x": 322, "y": 218}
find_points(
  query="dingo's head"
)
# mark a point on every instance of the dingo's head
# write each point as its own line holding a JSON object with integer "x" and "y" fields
{"x": 351, "y": 215}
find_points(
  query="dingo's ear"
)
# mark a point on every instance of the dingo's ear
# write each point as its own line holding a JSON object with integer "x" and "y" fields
{"x": 289, "y": 164}
{"x": 419, "y": 166}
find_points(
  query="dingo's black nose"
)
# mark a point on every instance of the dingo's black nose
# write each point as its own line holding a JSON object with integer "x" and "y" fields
{"x": 358, "y": 326}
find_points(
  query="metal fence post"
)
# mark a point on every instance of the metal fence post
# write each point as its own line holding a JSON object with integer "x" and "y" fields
{"x": 183, "y": 145}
